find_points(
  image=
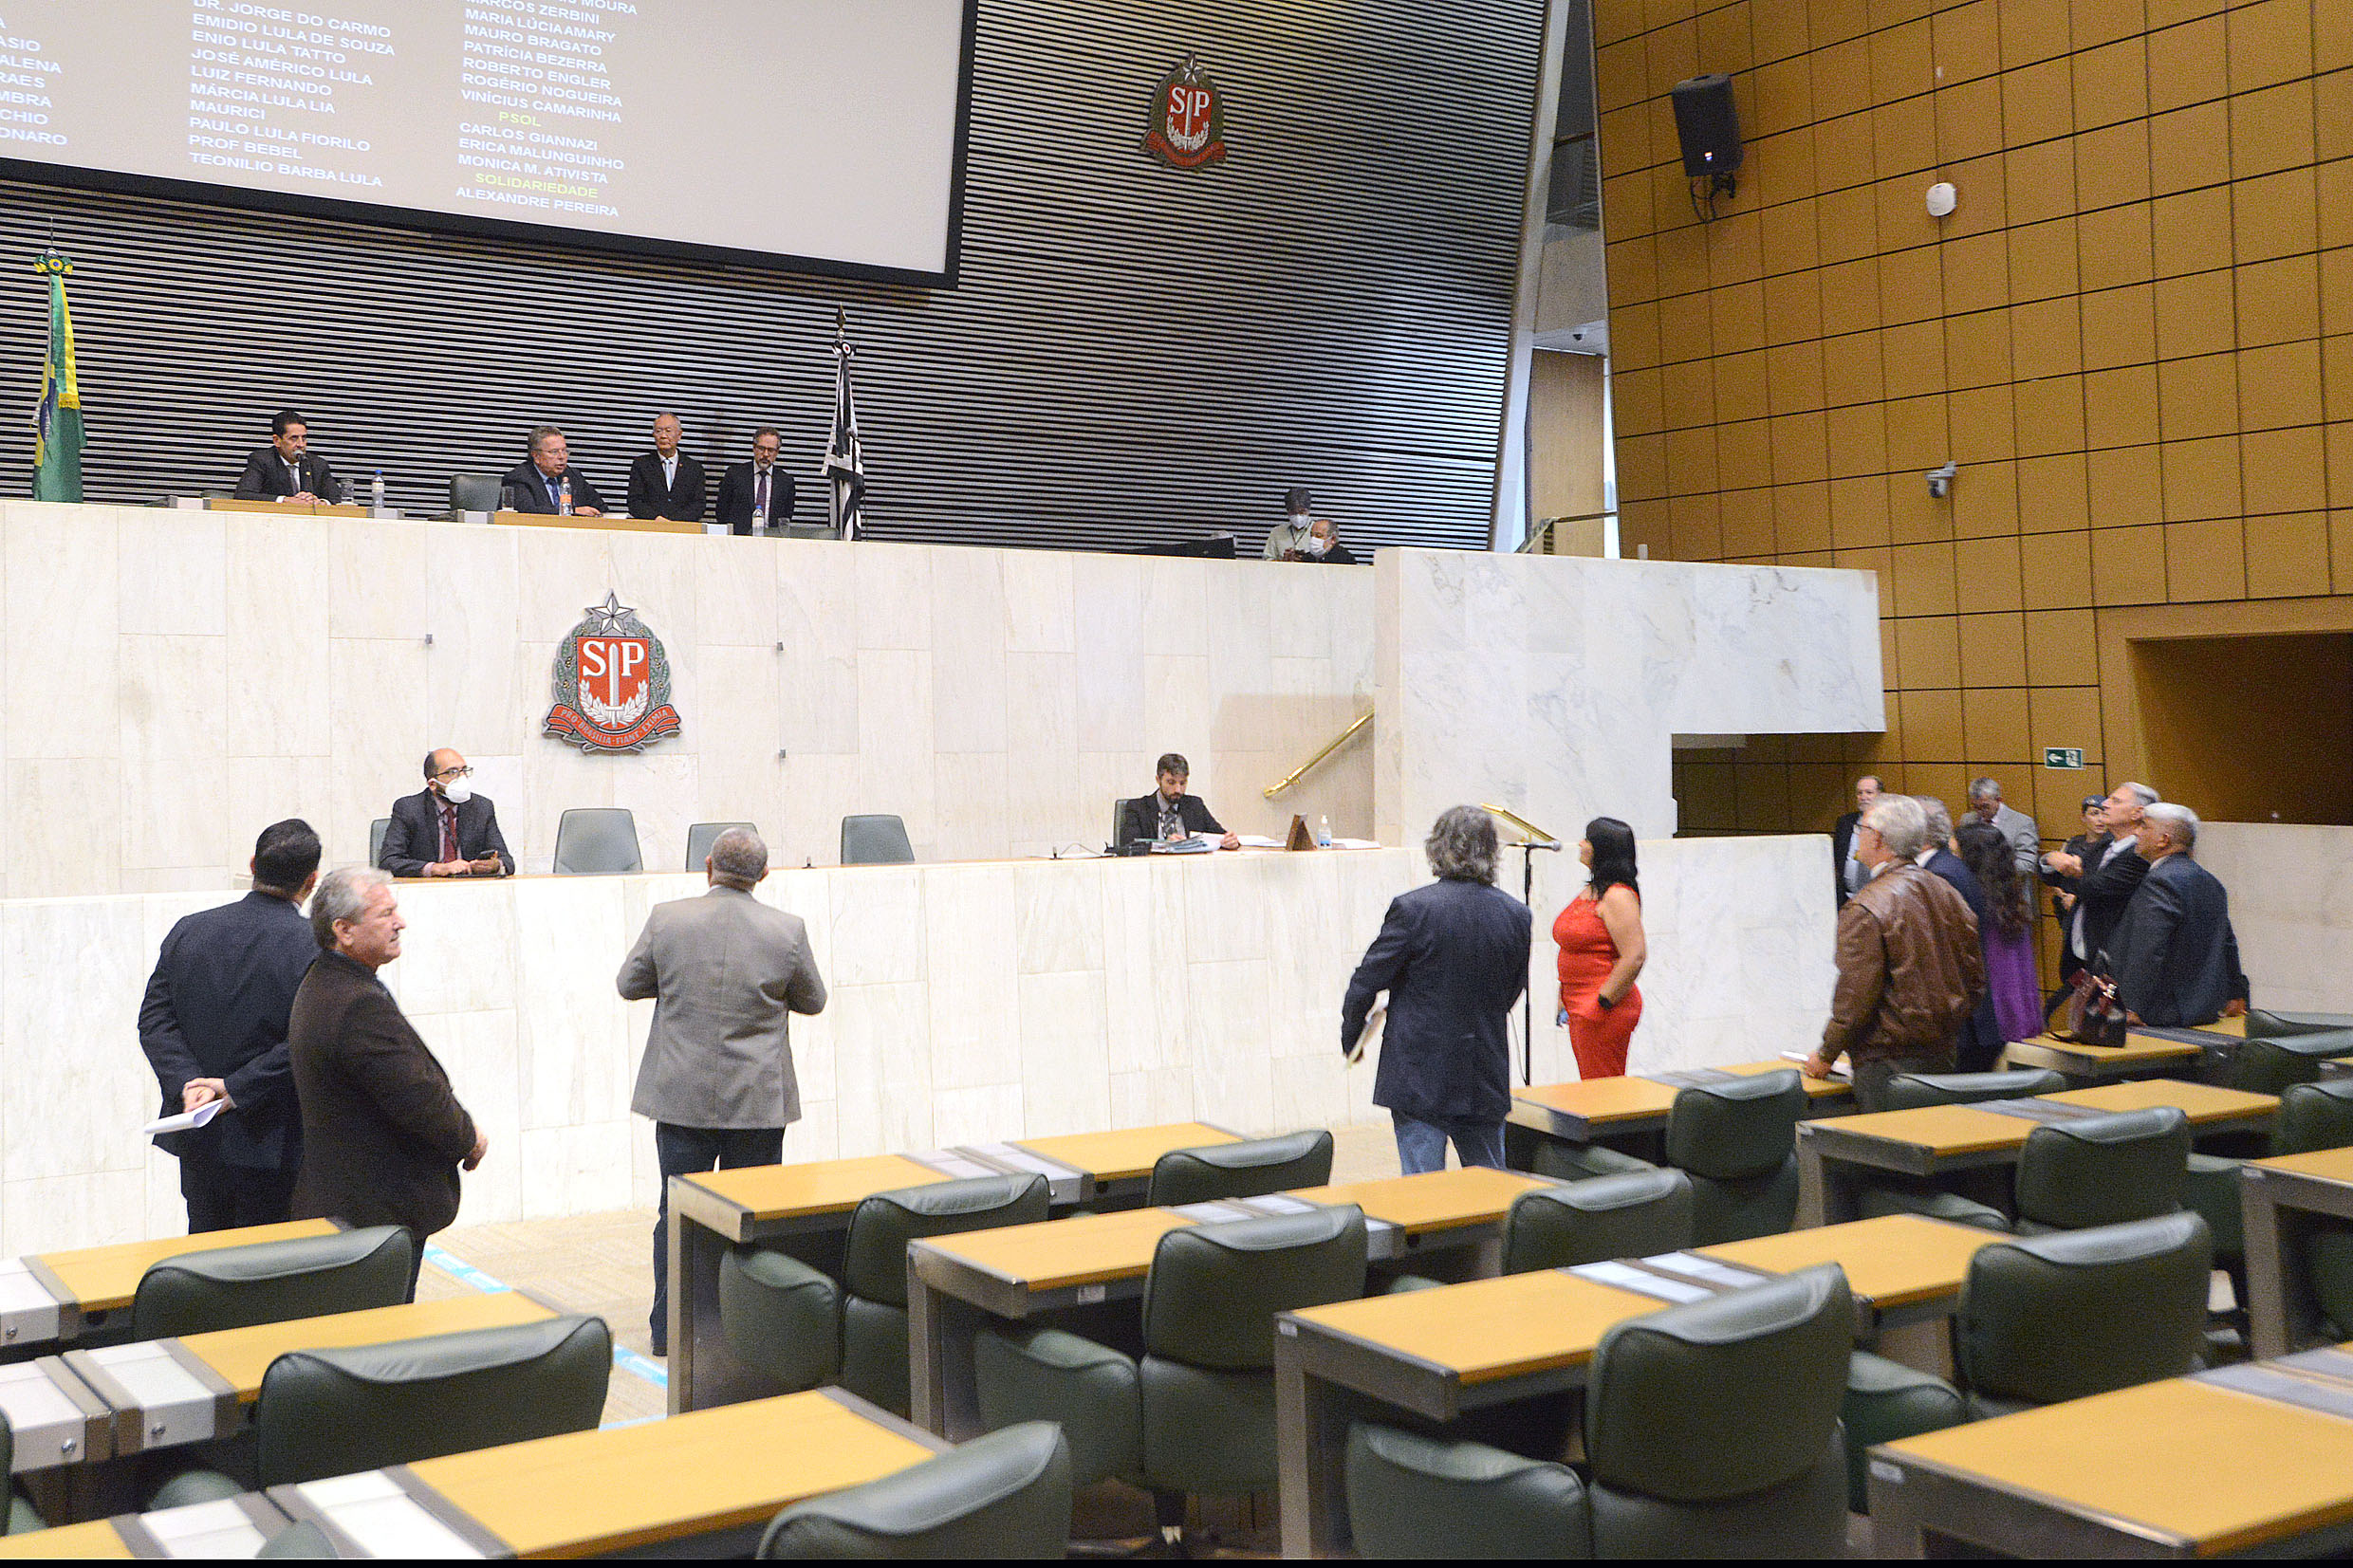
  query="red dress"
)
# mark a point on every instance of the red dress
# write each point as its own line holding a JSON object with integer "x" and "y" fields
{"x": 1598, "y": 1036}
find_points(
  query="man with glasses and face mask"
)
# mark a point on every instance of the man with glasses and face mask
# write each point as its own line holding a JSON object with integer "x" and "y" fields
{"x": 445, "y": 829}
{"x": 757, "y": 494}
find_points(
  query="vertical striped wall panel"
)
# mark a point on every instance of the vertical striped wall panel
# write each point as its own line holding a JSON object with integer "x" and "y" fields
{"x": 1132, "y": 353}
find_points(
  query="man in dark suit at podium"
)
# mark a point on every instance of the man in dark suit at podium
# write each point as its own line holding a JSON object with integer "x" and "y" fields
{"x": 666, "y": 482}
{"x": 538, "y": 484}
{"x": 1169, "y": 813}
{"x": 445, "y": 829}
{"x": 285, "y": 471}
{"x": 758, "y": 493}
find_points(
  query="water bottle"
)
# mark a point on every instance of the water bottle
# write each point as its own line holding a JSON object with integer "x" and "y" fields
{"x": 1323, "y": 833}
{"x": 376, "y": 495}
{"x": 564, "y": 498}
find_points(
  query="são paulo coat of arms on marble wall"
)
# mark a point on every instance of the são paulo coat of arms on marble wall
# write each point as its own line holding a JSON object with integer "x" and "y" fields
{"x": 612, "y": 683}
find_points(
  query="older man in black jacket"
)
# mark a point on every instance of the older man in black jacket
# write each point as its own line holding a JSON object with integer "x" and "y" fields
{"x": 214, "y": 1028}
{"x": 2175, "y": 956}
{"x": 1454, "y": 958}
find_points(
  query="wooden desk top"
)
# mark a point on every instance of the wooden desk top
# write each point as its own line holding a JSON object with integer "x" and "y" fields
{"x": 2136, "y": 1047}
{"x": 1892, "y": 1260}
{"x": 242, "y": 1355}
{"x": 1436, "y": 1200}
{"x": 2234, "y": 1027}
{"x": 1126, "y": 1154}
{"x": 2224, "y": 1469}
{"x": 1054, "y": 1254}
{"x": 102, "y": 1279}
{"x": 587, "y": 1493}
{"x": 1488, "y": 1329}
{"x": 96, "y": 1538}
{"x": 2200, "y": 1102}
{"x": 2327, "y": 1164}
{"x": 607, "y": 520}
{"x": 1942, "y": 1129}
{"x": 818, "y": 1187}
{"x": 1600, "y": 1100}
{"x": 1816, "y": 1088}
{"x": 294, "y": 509}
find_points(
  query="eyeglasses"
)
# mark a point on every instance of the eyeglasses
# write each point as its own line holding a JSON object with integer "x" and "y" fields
{"x": 455, "y": 773}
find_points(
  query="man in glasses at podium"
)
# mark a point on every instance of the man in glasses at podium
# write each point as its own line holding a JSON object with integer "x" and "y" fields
{"x": 445, "y": 829}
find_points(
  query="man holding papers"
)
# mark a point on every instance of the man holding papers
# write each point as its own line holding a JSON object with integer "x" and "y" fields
{"x": 214, "y": 1028}
{"x": 1168, "y": 813}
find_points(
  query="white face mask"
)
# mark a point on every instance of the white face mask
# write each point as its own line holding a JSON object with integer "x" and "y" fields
{"x": 458, "y": 791}
{"x": 1313, "y": 545}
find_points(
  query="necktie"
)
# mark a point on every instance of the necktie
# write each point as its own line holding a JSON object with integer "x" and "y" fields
{"x": 555, "y": 493}
{"x": 449, "y": 831}
{"x": 759, "y": 497}
{"x": 294, "y": 477}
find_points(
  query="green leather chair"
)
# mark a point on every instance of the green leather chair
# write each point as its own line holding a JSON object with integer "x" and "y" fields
{"x": 803, "y": 1328}
{"x": 2071, "y": 1175}
{"x": 301, "y": 1539}
{"x": 1411, "y": 1495}
{"x": 1712, "y": 1430}
{"x": 22, "y": 1518}
{"x": 2264, "y": 1025}
{"x": 1737, "y": 1141}
{"x": 1632, "y": 1215}
{"x": 1909, "y": 1091}
{"x": 1246, "y": 1170}
{"x": 274, "y": 1281}
{"x": 2081, "y": 1312}
{"x": 2311, "y": 1116}
{"x": 1004, "y": 1495}
{"x": 323, "y": 1412}
{"x": 1196, "y": 1413}
{"x": 1887, "y": 1400}
{"x": 2265, "y": 1065}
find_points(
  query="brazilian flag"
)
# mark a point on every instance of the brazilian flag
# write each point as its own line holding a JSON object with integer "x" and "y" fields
{"x": 57, "y": 425}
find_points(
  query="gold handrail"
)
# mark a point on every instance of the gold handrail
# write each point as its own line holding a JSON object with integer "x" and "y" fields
{"x": 1531, "y": 829}
{"x": 1301, "y": 771}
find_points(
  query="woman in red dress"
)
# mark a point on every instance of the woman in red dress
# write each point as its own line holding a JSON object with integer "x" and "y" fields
{"x": 1601, "y": 951}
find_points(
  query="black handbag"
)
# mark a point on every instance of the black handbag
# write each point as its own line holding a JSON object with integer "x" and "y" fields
{"x": 2094, "y": 1015}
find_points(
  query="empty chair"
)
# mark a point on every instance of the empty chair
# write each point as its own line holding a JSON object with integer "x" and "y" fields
{"x": 1738, "y": 1143}
{"x": 1411, "y": 1495}
{"x": 599, "y": 840}
{"x": 301, "y": 1539}
{"x": 2311, "y": 1116}
{"x": 1632, "y": 1215}
{"x": 376, "y": 840}
{"x": 2094, "y": 1170}
{"x": 1908, "y": 1091}
{"x": 475, "y": 493}
{"x": 802, "y": 1329}
{"x": 875, "y": 841}
{"x": 1003, "y": 1495}
{"x": 1196, "y": 1413}
{"x": 273, "y": 1282}
{"x": 1117, "y": 841}
{"x": 1712, "y": 1430}
{"x": 323, "y": 1412}
{"x": 1246, "y": 1170}
{"x": 2268, "y": 1063}
{"x": 1885, "y": 1401}
{"x": 702, "y": 836}
{"x": 2264, "y": 1025}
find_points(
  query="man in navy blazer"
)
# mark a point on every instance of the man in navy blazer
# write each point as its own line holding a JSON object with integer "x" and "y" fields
{"x": 1979, "y": 1045}
{"x": 445, "y": 829}
{"x": 666, "y": 482}
{"x": 1454, "y": 958}
{"x": 2174, "y": 953}
{"x": 214, "y": 1026}
{"x": 537, "y": 485}
{"x": 757, "y": 494}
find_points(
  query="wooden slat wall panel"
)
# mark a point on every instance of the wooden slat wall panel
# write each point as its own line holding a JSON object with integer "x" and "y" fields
{"x": 1132, "y": 354}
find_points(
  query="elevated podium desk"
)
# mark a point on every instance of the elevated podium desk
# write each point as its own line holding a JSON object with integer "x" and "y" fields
{"x": 956, "y": 1284}
{"x": 1439, "y": 1354}
{"x": 1605, "y": 1110}
{"x": 289, "y": 509}
{"x": 705, "y": 1485}
{"x": 606, "y": 519}
{"x": 1837, "y": 1158}
{"x": 807, "y": 1208}
{"x": 52, "y": 1298}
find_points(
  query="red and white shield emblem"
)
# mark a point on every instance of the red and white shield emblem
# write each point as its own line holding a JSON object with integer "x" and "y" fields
{"x": 616, "y": 679}
{"x": 1188, "y": 119}
{"x": 612, "y": 683}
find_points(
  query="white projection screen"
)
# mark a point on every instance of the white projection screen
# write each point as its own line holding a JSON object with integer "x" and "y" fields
{"x": 826, "y": 132}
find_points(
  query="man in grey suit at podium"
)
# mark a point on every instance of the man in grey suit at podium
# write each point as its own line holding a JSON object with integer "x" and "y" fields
{"x": 717, "y": 1079}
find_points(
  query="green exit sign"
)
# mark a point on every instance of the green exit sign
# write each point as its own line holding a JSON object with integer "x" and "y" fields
{"x": 2063, "y": 756}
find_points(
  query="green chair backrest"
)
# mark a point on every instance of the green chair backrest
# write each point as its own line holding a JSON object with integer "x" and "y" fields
{"x": 1729, "y": 1132}
{"x": 2105, "y": 1169}
{"x": 876, "y": 1264}
{"x": 1412, "y": 1495}
{"x": 1005, "y": 1494}
{"x": 1213, "y": 1290}
{"x": 2313, "y": 1117}
{"x": 1909, "y": 1091}
{"x": 1723, "y": 1397}
{"x": 2081, "y": 1311}
{"x": 274, "y": 1281}
{"x": 2264, "y": 1025}
{"x": 1593, "y": 1221}
{"x": 2266, "y": 1065}
{"x": 324, "y": 1412}
{"x": 301, "y": 1539}
{"x": 1245, "y": 1170}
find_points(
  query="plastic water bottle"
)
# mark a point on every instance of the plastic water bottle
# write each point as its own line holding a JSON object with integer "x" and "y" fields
{"x": 564, "y": 498}
{"x": 1323, "y": 833}
{"x": 376, "y": 495}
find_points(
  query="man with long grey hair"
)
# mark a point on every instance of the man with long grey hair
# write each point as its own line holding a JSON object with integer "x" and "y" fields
{"x": 1454, "y": 958}
{"x": 727, "y": 971}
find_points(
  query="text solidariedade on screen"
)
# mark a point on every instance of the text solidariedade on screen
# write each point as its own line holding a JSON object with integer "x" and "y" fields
{"x": 821, "y": 129}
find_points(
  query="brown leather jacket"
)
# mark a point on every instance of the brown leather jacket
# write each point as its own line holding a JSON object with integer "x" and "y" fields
{"x": 1911, "y": 967}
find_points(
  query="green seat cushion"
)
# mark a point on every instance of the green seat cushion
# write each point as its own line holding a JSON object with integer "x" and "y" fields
{"x": 1415, "y": 1496}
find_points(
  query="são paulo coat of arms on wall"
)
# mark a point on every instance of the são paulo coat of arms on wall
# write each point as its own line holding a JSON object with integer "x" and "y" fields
{"x": 612, "y": 683}
{"x": 1188, "y": 122}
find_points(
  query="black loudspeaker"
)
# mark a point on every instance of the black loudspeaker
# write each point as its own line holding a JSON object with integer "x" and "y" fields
{"x": 1707, "y": 125}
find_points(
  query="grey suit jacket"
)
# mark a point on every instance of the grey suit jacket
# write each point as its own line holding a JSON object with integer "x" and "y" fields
{"x": 727, "y": 971}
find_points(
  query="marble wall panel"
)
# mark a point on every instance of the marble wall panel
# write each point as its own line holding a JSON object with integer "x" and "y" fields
{"x": 62, "y": 590}
{"x": 1040, "y": 615}
{"x": 1066, "y": 1079}
{"x": 376, "y": 586}
{"x": 72, "y": 972}
{"x": 736, "y": 603}
{"x": 481, "y": 1051}
{"x": 54, "y": 848}
{"x": 172, "y": 573}
{"x": 2291, "y": 905}
{"x": 277, "y": 572}
{"x": 970, "y": 917}
{"x": 967, "y": 624}
{"x": 477, "y": 696}
{"x": 894, "y": 597}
